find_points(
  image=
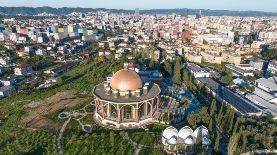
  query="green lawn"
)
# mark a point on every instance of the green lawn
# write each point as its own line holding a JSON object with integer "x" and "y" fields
{"x": 15, "y": 139}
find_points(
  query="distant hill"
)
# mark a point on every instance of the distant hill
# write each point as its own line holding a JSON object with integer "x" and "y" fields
{"x": 208, "y": 12}
{"x": 183, "y": 11}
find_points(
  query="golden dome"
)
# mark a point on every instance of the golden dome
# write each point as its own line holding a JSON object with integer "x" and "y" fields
{"x": 125, "y": 80}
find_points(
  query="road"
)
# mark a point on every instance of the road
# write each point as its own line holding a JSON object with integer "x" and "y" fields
{"x": 58, "y": 140}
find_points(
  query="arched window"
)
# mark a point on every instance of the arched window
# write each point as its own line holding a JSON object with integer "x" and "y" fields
{"x": 127, "y": 114}
{"x": 141, "y": 112}
{"x": 148, "y": 108}
{"x": 113, "y": 112}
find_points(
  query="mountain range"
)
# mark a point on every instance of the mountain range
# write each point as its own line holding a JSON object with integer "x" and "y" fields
{"x": 29, "y": 11}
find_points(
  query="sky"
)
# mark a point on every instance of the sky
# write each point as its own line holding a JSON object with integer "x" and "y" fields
{"x": 236, "y": 5}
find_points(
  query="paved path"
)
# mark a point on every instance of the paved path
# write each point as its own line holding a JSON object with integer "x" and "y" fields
{"x": 58, "y": 141}
{"x": 21, "y": 101}
{"x": 136, "y": 151}
{"x": 140, "y": 146}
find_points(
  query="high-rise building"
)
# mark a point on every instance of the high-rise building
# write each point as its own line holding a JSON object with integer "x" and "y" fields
{"x": 136, "y": 13}
{"x": 199, "y": 15}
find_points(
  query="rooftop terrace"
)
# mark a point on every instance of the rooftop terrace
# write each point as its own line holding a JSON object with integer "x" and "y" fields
{"x": 99, "y": 91}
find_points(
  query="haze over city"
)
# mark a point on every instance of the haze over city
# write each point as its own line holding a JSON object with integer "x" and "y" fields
{"x": 236, "y": 5}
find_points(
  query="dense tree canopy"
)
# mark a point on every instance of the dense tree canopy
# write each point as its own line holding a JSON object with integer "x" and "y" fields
{"x": 227, "y": 78}
{"x": 177, "y": 71}
{"x": 269, "y": 54}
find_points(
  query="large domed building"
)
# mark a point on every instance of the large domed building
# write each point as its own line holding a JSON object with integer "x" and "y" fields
{"x": 125, "y": 101}
{"x": 126, "y": 80}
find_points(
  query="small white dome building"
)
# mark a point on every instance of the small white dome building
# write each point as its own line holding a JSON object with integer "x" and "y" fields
{"x": 172, "y": 140}
{"x": 184, "y": 139}
{"x": 168, "y": 133}
{"x": 205, "y": 134}
{"x": 186, "y": 134}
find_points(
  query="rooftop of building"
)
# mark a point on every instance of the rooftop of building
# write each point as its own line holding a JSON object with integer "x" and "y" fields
{"x": 126, "y": 80}
{"x": 195, "y": 68}
{"x": 243, "y": 105}
{"x": 237, "y": 69}
{"x": 22, "y": 65}
{"x": 270, "y": 83}
{"x": 153, "y": 91}
{"x": 274, "y": 62}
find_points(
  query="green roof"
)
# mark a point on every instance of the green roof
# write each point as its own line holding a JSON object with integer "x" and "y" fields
{"x": 2, "y": 26}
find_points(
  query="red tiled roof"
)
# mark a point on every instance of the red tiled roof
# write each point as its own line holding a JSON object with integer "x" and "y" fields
{"x": 22, "y": 65}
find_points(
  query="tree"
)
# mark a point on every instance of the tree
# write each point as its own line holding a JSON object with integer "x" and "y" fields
{"x": 199, "y": 137}
{"x": 211, "y": 128}
{"x": 205, "y": 42}
{"x": 192, "y": 120}
{"x": 220, "y": 114}
{"x": 185, "y": 76}
{"x": 213, "y": 108}
{"x": 269, "y": 54}
{"x": 164, "y": 55}
{"x": 93, "y": 45}
{"x": 224, "y": 123}
{"x": 244, "y": 142}
{"x": 250, "y": 89}
{"x": 203, "y": 115}
{"x": 168, "y": 68}
{"x": 211, "y": 125}
{"x": 233, "y": 143}
{"x": 231, "y": 122}
{"x": 250, "y": 40}
{"x": 185, "y": 101}
{"x": 112, "y": 138}
{"x": 177, "y": 71}
{"x": 235, "y": 127}
{"x": 123, "y": 59}
{"x": 203, "y": 60}
{"x": 217, "y": 141}
{"x": 151, "y": 64}
{"x": 120, "y": 148}
{"x": 227, "y": 78}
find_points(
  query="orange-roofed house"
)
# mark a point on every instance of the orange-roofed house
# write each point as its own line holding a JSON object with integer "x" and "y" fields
{"x": 22, "y": 69}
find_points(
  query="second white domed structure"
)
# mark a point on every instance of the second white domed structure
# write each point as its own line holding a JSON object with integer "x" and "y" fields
{"x": 186, "y": 134}
{"x": 185, "y": 138}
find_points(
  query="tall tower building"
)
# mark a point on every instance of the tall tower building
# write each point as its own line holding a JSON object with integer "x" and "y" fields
{"x": 199, "y": 15}
{"x": 136, "y": 13}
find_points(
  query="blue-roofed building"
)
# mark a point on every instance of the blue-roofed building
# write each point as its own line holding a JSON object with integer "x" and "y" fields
{"x": 6, "y": 91}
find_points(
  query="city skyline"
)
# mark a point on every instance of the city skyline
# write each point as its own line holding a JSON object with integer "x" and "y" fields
{"x": 138, "y": 77}
{"x": 234, "y": 5}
